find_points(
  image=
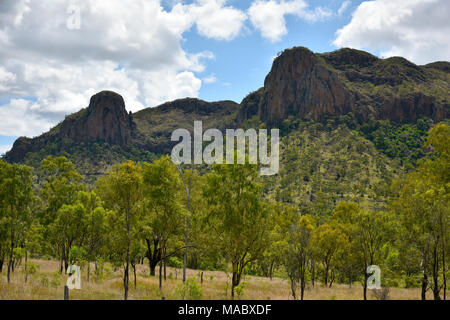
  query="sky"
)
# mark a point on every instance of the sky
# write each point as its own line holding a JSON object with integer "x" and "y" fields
{"x": 55, "y": 54}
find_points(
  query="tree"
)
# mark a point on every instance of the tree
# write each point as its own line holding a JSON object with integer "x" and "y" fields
{"x": 298, "y": 252}
{"x": 60, "y": 183}
{"x": 367, "y": 232}
{"x": 95, "y": 228}
{"x": 236, "y": 215}
{"x": 328, "y": 243}
{"x": 16, "y": 195}
{"x": 370, "y": 232}
{"x": 68, "y": 227}
{"x": 421, "y": 199}
{"x": 163, "y": 209}
{"x": 120, "y": 189}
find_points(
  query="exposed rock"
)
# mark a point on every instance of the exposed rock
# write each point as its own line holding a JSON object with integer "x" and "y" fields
{"x": 412, "y": 107}
{"x": 307, "y": 85}
{"x": 298, "y": 84}
{"x": 106, "y": 119}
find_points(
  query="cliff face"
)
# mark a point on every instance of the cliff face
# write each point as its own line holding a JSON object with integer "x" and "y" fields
{"x": 307, "y": 85}
{"x": 106, "y": 119}
{"x": 300, "y": 85}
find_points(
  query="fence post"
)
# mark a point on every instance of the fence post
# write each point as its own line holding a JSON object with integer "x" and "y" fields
{"x": 66, "y": 293}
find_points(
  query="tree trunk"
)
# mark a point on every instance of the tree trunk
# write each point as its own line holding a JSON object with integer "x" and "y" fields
{"x": 424, "y": 286}
{"x": 271, "y": 269}
{"x": 444, "y": 277}
{"x": 61, "y": 260}
{"x": 302, "y": 286}
{"x": 153, "y": 256}
{"x": 332, "y": 277}
{"x": 293, "y": 287}
{"x": 365, "y": 284}
{"x": 10, "y": 261}
{"x": 186, "y": 243}
{"x": 160, "y": 274}
{"x": 436, "y": 288}
{"x": 165, "y": 261}
{"x": 235, "y": 280}
{"x": 125, "y": 282}
{"x": 133, "y": 265}
{"x": 26, "y": 265}
{"x": 88, "y": 270}
{"x": 126, "y": 273}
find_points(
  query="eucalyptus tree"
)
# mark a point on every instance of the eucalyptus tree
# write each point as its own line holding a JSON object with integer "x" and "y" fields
{"x": 16, "y": 195}
{"x": 120, "y": 188}
{"x": 237, "y": 215}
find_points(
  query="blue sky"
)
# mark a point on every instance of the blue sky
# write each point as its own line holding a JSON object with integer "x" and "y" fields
{"x": 56, "y": 54}
{"x": 241, "y": 65}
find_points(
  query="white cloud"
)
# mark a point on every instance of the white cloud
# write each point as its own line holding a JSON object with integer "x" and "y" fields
{"x": 4, "y": 149}
{"x": 132, "y": 47}
{"x": 213, "y": 18}
{"x": 268, "y": 16}
{"x": 344, "y": 6}
{"x": 415, "y": 29}
{"x": 209, "y": 79}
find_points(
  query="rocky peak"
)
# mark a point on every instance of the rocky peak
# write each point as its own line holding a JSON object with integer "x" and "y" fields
{"x": 106, "y": 119}
{"x": 308, "y": 85}
{"x": 298, "y": 84}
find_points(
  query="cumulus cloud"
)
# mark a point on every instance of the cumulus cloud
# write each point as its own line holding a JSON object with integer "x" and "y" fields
{"x": 415, "y": 29}
{"x": 4, "y": 149}
{"x": 133, "y": 47}
{"x": 268, "y": 16}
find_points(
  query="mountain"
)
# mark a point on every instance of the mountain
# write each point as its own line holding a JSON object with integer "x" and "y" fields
{"x": 350, "y": 86}
{"x": 308, "y": 85}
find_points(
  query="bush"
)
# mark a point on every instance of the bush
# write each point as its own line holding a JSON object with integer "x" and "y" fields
{"x": 240, "y": 289}
{"x": 77, "y": 256}
{"x": 175, "y": 262}
{"x": 381, "y": 294}
{"x": 190, "y": 290}
{"x": 412, "y": 282}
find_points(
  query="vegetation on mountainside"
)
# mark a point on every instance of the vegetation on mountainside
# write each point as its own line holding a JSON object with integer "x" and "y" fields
{"x": 135, "y": 216}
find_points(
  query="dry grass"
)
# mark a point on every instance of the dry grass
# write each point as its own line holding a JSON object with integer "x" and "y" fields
{"x": 48, "y": 284}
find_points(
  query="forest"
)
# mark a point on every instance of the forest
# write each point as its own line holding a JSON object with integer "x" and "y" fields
{"x": 295, "y": 226}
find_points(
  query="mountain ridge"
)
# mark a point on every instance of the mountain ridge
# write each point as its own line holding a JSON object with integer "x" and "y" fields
{"x": 300, "y": 85}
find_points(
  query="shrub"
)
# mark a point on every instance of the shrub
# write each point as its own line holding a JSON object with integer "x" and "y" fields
{"x": 190, "y": 290}
{"x": 240, "y": 289}
{"x": 381, "y": 294}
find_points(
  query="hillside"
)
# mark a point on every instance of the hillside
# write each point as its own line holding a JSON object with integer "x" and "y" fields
{"x": 352, "y": 87}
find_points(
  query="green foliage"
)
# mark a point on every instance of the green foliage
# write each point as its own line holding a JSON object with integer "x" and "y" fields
{"x": 77, "y": 256}
{"x": 237, "y": 215}
{"x": 190, "y": 290}
{"x": 240, "y": 289}
{"x": 398, "y": 141}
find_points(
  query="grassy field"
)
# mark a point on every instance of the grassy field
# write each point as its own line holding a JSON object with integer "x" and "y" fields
{"x": 48, "y": 284}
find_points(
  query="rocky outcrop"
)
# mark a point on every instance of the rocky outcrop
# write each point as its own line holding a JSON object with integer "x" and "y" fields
{"x": 106, "y": 119}
{"x": 298, "y": 84}
{"x": 412, "y": 107}
{"x": 308, "y": 85}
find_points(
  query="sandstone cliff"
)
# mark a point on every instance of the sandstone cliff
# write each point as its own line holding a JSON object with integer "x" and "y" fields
{"x": 308, "y": 85}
